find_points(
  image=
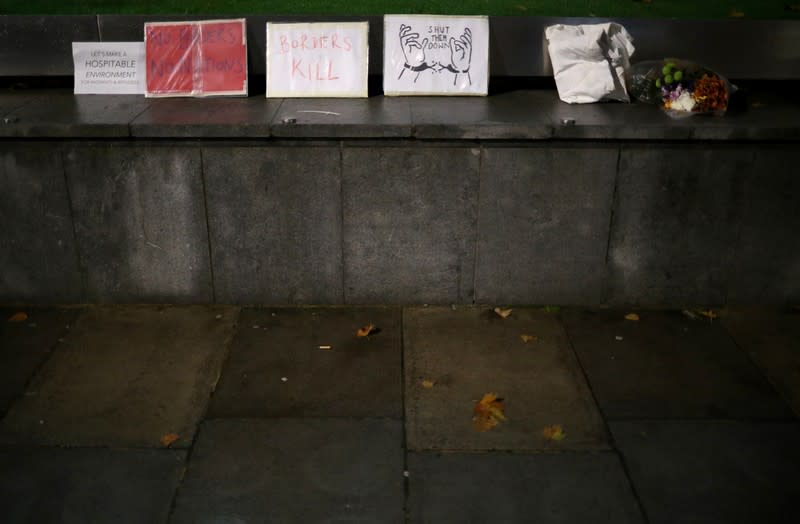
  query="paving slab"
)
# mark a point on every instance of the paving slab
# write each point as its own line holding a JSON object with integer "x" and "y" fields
{"x": 471, "y": 351}
{"x": 25, "y": 345}
{"x": 409, "y": 221}
{"x": 543, "y": 488}
{"x": 39, "y": 258}
{"x": 140, "y": 223}
{"x": 125, "y": 376}
{"x": 375, "y": 117}
{"x": 543, "y": 224}
{"x": 771, "y": 337}
{"x": 78, "y": 485}
{"x": 713, "y": 471}
{"x": 355, "y": 377}
{"x": 294, "y": 471}
{"x": 667, "y": 365}
{"x": 275, "y": 227}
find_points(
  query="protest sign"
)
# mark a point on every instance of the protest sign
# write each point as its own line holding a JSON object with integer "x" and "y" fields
{"x": 435, "y": 55}
{"x": 317, "y": 59}
{"x": 108, "y": 68}
{"x": 207, "y": 58}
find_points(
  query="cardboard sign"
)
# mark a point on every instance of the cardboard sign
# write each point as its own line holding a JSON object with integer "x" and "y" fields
{"x": 317, "y": 60}
{"x": 207, "y": 58}
{"x": 108, "y": 68}
{"x": 435, "y": 55}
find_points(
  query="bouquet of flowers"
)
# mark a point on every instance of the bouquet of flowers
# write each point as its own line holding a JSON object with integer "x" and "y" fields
{"x": 680, "y": 87}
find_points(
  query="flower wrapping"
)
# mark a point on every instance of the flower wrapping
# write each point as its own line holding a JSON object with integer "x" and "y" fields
{"x": 680, "y": 87}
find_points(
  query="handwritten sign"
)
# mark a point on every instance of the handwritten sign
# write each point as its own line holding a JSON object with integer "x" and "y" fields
{"x": 317, "y": 60}
{"x": 108, "y": 68}
{"x": 435, "y": 55}
{"x": 207, "y": 58}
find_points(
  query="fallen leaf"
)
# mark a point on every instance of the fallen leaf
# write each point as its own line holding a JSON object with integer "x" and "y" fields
{"x": 503, "y": 313}
{"x": 18, "y": 317}
{"x": 632, "y": 316}
{"x": 168, "y": 439}
{"x": 528, "y": 338}
{"x": 428, "y": 383}
{"x": 366, "y": 330}
{"x": 554, "y": 432}
{"x": 488, "y": 412}
{"x": 735, "y": 13}
{"x": 708, "y": 313}
{"x": 552, "y": 309}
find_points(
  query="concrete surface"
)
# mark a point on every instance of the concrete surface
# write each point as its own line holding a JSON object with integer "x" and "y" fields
{"x": 125, "y": 377}
{"x": 396, "y": 201}
{"x": 77, "y": 445}
{"x": 712, "y": 471}
{"x": 294, "y": 471}
{"x": 409, "y": 224}
{"x": 544, "y": 219}
{"x": 543, "y": 488}
{"x": 24, "y": 346}
{"x": 677, "y": 215}
{"x": 472, "y": 351}
{"x": 673, "y": 367}
{"x": 140, "y": 224}
{"x": 75, "y": 486}
{"x": 356, "y": 377}
{"x": 275, "y": 239}
{"x": 39, "y": 257}
{"x": 771, "y": 337}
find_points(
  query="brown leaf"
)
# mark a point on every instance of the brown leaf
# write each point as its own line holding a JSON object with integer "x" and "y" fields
{"x": 428, "y": 383}
{"x": 488, "y": 412}
{"x": 502, "y": 313}
{"x": 529, "y": 338}
{"x": 708, "y": 313}
{"x": 554, "y": 432}
{"x": 632, "y": 316}
{"x": 735, "y": 13}
{"x": 366, "y": 330}
{"x": 168, "y": 439}
{"x": 18, "y": 317}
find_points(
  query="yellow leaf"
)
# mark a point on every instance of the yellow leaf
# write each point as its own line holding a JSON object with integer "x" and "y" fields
{"x": 708, "y": 313}
{"x": 168, "y": 439}
{"x": 502, "y": 313}
{"x": 554, "y": 432}
{"x": 366, "y": 330}
{"x": 428, "y": 383}
{"x": 632, "y": 316}
{"x": 488, "y": 412}
{"x": 18, "y": 317}
{"x": 735, "y": 13}
{"x": 528, "y": 338}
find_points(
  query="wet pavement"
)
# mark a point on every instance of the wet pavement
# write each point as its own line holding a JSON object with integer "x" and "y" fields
{"x": 286, "y": 415}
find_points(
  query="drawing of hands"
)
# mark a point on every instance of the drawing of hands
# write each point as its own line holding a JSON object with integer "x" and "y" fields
{"x": 413, "y": 50}
{"x": 461, "y": 51}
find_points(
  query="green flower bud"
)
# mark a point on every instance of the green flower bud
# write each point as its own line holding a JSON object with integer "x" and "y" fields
{"x": 668, "y": 79}
{"x": 677, "y": 75}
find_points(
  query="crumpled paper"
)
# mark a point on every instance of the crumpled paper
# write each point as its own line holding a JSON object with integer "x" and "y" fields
{"x": 589, "y": 61}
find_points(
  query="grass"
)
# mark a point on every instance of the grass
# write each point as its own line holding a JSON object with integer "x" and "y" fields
{"x": 762, "y": 9}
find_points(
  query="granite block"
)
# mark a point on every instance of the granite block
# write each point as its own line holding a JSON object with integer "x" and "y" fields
{"x": 140, "y": 223}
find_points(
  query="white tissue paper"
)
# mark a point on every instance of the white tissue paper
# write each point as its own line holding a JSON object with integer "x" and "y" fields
{"x": 589, "y": 61}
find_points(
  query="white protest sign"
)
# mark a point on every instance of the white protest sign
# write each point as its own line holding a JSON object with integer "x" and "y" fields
{"x": 435, "y": 55}
{"x": 109, "y": 68}
{"x": 317, "y": 59}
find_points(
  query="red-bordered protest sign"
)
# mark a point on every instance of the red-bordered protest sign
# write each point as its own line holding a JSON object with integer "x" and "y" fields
{"x": 204, "y": 58}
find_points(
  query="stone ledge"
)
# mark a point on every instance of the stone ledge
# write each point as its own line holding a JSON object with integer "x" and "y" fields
{"x": 517, "y": 115}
